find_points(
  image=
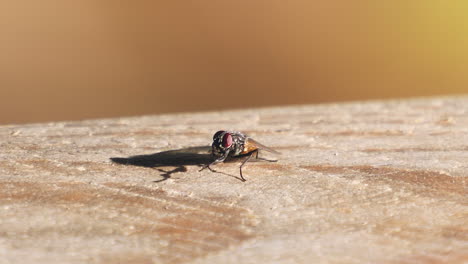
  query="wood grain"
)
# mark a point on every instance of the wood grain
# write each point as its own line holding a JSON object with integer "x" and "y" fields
{"x": 364, "y": 182}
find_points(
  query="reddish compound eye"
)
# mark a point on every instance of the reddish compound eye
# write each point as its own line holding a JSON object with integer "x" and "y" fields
{"x": 227, "y": 140}
{"x": 217, "y": 134}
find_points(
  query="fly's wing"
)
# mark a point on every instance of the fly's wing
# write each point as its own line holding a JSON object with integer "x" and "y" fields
{"x": 251, "y": 145}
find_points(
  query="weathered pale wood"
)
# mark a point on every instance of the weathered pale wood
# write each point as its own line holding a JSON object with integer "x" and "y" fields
{"x": 373, "y": 182}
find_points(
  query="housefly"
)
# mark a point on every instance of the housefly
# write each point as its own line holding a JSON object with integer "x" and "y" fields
{"x": 235, "y": 144}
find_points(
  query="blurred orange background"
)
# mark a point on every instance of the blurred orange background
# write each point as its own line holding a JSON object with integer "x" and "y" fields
{"x": 67, "y": 60}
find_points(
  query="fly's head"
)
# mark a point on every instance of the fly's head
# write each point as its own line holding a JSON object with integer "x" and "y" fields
{"x": 222, "y": 143}
{"x": 225, "y": 141}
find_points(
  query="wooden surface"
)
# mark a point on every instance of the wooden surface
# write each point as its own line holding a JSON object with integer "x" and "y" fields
{"x": 376, "y": 182}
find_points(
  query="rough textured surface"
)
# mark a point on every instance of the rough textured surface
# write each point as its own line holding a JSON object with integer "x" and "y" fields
{"x": 376, "y": 182}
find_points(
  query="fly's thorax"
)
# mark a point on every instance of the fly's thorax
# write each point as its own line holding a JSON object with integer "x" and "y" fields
{"x": 237, "y": 147}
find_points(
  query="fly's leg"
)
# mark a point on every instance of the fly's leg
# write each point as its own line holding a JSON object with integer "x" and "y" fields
{"x": 256, "y": 157}
{"x": 245, "y": 161}
{"x": 216, "y": 161}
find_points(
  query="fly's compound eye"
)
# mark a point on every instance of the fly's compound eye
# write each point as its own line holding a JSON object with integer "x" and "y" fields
{"x": 217, "y": 134}
{"x": 227, "y": 140}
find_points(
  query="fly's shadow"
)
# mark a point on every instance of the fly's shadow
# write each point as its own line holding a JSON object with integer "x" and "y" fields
{"x": 178, "y": 158}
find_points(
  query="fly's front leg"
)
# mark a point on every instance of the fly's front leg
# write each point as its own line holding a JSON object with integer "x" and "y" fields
{"x": 216, "y": 161}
